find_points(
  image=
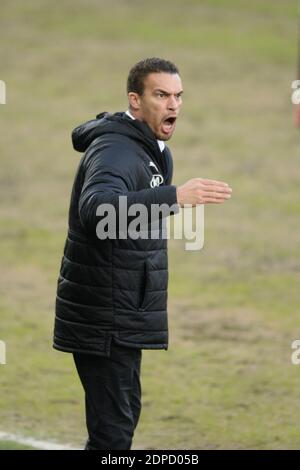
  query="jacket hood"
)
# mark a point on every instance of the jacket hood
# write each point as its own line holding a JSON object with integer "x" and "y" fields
{"x": 118, "y": 123}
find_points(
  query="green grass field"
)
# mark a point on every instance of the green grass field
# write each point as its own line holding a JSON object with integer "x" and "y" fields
{"x": 8, "y": 445}
{"x": 227, "y": 380}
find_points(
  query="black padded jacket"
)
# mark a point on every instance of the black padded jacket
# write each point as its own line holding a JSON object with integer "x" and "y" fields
{"x": 114, "y": 287}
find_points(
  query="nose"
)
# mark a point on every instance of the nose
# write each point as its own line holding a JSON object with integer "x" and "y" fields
{"x": 173, "y": 103}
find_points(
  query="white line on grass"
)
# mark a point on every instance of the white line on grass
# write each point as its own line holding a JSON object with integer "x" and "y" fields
{"x": 41, "y": 445}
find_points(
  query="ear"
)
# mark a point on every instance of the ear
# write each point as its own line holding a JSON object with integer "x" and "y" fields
{"x": 134, "y": 100}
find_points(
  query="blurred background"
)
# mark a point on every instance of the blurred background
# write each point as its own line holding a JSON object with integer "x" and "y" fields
{"x": 227, "y": 380}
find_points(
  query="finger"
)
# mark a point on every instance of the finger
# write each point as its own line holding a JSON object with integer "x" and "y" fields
{"x": 218, "y": 189}
{"x": 212, "y": 182}
{"x": 214, "y": 201}
{"x": 217, "y": 195}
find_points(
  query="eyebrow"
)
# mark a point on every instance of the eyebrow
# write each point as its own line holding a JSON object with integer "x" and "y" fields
{"x": 166, "y": 92}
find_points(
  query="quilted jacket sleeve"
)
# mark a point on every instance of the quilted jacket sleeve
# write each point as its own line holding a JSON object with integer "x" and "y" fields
{"x": 112, "y": 173}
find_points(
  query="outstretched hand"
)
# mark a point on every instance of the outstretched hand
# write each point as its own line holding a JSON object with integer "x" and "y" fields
{"x": 203, "y": 191}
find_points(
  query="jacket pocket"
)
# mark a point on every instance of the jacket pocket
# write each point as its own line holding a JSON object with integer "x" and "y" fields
{"x": 143, "y": 288}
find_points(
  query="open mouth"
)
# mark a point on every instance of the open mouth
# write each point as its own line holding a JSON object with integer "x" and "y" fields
{"x": 168, "y": 124}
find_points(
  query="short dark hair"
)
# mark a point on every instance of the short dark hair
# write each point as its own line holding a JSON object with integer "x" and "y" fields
{"x": 138, "y": 73}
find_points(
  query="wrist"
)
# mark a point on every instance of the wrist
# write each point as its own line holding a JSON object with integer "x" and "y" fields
{"x": 178, "y": 196}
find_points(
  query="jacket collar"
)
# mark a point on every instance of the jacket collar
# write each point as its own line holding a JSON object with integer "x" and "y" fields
{"x": 161, "y": 143}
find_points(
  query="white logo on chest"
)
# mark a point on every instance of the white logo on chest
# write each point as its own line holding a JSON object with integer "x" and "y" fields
{"x": 156, "y": 181}
{"x": 153, "y": 165}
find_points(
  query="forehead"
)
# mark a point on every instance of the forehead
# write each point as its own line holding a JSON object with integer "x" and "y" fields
{"x": 169, "y": 82}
